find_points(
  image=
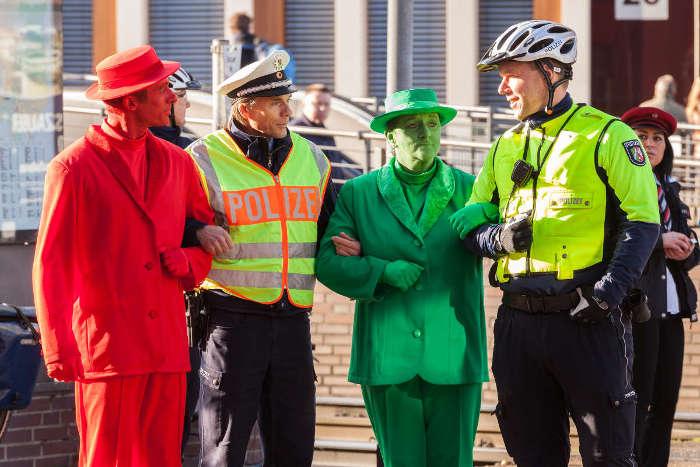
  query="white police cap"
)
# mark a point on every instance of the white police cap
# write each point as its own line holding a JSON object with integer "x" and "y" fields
{"x": 265, "y": 77}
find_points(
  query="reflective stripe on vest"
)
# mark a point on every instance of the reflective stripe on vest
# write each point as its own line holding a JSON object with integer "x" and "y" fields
{"x": 271, "y": 218}
{"x": 269, "y": 250}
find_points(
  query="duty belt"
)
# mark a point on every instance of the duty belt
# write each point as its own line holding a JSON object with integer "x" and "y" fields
{"x": 541, "y": 303}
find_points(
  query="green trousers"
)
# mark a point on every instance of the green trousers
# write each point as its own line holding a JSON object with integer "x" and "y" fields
{"x": 419, "y": 424}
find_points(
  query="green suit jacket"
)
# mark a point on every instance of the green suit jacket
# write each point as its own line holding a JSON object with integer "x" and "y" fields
{"x": 436, "y": 329}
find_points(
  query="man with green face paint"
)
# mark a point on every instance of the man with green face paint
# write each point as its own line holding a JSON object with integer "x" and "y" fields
{"x": 419, "y": 345}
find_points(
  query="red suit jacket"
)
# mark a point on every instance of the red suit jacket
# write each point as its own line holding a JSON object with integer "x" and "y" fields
{"x": 99, "y": 287}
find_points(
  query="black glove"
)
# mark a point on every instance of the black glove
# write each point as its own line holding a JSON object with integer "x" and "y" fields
{"x": 590, "y": 309}
{"x": 515, "y": 235}
{"x": 635, "y": 306}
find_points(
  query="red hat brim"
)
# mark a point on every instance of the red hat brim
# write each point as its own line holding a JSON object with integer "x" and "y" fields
{"x": 95, "y": 93}
{"x": 650, "y": 117}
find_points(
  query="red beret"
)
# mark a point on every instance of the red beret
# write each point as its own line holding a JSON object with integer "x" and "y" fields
{"x": 637, "y": 117}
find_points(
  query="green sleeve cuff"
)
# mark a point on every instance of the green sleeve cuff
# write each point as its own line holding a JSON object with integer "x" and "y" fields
{"x": 477, "y": 214}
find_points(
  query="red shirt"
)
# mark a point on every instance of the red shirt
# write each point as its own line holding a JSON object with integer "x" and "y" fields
{"x": 131, "y": 151}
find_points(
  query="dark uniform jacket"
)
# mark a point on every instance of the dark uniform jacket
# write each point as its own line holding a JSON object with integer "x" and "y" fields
{"x": 172, "y": 134}
{"x": 653, "y": 280}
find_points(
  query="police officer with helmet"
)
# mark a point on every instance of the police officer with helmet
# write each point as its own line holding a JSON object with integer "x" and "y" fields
{"x": 272, "y": 196}
{"x": 180, "y": 82}
{"x": 579, "y": 219}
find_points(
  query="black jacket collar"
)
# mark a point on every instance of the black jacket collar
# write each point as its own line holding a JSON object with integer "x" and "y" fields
{"x": 538, "y": 118}
{"x": 265, "y": 151}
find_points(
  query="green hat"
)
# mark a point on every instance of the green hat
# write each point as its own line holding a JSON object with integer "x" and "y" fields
{"x": 411, "y": 102}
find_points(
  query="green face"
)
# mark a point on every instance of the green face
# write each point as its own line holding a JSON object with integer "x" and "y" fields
{"x": 416, "y": 140}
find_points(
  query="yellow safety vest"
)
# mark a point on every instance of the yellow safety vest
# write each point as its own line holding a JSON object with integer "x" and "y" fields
{"x": 271, "y": 218}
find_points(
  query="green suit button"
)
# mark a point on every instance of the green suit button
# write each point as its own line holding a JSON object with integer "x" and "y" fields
{"x": 417, "y": 333}
{"x": 419, "y": 287}
{"x": 417, "y": 243}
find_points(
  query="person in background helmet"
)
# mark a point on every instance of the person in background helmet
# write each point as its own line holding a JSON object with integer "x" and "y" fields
{"x": 180, "y": 82}
{"x": 579, "y": 218}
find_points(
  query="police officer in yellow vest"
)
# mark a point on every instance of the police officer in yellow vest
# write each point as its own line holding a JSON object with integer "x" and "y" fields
{"x": 579, "y": 219}
{"x": 272, "y": 196}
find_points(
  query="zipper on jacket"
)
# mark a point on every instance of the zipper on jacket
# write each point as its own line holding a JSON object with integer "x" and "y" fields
{"x": 535, "y": 177}
{"x": 285, "y": 241}
{"x": 534, "y": 206}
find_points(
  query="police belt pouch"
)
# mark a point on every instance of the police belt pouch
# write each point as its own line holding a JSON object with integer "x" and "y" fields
{"x": 195, "y": 317}
{"x": 636, "y": 307}
{"x": 20, "y": 356}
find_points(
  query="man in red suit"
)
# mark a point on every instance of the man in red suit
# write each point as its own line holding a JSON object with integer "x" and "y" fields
{"x": 109, "y": 270}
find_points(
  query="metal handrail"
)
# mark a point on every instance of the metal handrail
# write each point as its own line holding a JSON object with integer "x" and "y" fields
{"x": 372, "y": 136}
{"x": 84, "y": 110}
{"x": 198, "y": 121}
{"x": 688, "y": 126}
{"x": 467, "y": 154}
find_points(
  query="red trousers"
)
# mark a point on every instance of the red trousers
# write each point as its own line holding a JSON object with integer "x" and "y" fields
{"x": 131, "y": 421}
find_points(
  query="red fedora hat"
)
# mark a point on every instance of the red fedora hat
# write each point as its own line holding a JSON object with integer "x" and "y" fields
{"x": 129, "y": 71}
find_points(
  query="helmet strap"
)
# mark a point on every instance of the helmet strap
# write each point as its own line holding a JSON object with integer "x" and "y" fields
{"x": 172, "y": 116}
{"x": 551, "y": 87}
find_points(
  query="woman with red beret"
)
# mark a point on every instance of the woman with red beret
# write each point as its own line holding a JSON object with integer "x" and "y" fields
{"x": 658, "y": 342}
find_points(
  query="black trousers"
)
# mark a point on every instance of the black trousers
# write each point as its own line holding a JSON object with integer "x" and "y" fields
{"x": 548, "y": 367}
{"x": 256, "y": 363}
{"x": 658, "y": 366}
{"x": 191, "y": 396}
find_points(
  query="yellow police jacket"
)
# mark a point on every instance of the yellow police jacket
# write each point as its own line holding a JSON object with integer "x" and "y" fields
{"x": 589, "y": 171}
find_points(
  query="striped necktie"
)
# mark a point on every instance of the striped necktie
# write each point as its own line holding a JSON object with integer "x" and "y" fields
{"x": 664, "y": 210}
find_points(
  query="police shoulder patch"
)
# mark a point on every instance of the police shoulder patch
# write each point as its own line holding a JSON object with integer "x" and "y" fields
{"x": 634, "y": 151}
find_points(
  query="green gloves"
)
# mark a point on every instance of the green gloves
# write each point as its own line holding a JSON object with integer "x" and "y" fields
{"x": 472, "y": 216}
{"x": 401, "y": 274}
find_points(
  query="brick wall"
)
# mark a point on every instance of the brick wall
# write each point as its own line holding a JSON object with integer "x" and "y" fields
{"x": 43, "y": 434}
{"x": 690, "y": 386}
{"x": 331, "y": 331}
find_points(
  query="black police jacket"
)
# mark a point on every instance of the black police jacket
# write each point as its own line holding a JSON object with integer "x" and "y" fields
{"x": 172, "y": 134}
{"x": 654, "y": 277}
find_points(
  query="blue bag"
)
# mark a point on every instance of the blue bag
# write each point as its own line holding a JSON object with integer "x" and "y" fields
{"x": 20, "y": 356}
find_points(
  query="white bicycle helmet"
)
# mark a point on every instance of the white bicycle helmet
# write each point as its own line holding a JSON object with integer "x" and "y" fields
{"x": 529, "y": 41}
{"x": 542, "y": 42}
{"x": 183, "y": 80}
